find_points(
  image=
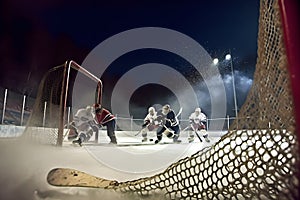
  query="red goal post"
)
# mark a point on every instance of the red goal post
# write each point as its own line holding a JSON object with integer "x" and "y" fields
{"x": 64, "y": 93}
{"x": 290, "y": 15}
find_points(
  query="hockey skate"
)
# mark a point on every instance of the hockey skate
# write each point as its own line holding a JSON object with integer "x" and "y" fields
{"x": 113, "y": 140}
{"x": 144, "y": 139}
{"x": 206, "y": 139}
{"x": 191, "y": 139}
{"x": 157, "y": 141}
{"x": 78, "y": 141}
{"x": 176, "y": 140}
{"x": 112, "y": 143}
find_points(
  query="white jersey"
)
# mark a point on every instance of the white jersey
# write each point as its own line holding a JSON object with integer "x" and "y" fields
{"x": 150, "y": 118}
{"x": 197, "y": 118}
{"x": 83, "y": 117}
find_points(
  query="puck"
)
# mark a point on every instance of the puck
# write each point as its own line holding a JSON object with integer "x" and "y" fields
{"x": 151, "y": 140}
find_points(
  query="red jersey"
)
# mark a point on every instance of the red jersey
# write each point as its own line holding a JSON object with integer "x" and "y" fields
{"x": 104, "y": 116}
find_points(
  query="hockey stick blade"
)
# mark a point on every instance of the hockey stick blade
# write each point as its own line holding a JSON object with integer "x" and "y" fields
{"x": 66, "y": 177}
{"x": 179, "y": 112}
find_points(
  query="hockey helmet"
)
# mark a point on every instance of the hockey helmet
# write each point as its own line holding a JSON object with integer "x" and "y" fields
{"x": 166, "y": 109}
{"x": 151, "y": 110}
{"x": 89, "y": 109}
{"x": 198, "y": 110}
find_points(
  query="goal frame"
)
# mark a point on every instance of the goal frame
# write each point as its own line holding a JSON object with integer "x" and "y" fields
{"x": 65, "y": 91}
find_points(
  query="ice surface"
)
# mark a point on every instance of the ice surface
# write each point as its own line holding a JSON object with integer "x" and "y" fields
{"x": 24, "y": 166}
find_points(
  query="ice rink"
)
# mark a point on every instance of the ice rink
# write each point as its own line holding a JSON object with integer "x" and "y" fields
{"x": 24, "y": 165}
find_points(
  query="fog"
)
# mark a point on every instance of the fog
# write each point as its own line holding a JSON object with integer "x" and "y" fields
{"x": 24, "y": 167}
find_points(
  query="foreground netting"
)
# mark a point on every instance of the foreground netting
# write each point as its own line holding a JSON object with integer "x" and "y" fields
{"x": 258, "y": 158}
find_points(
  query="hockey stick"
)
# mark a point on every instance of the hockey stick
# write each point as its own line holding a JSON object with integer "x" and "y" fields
{"x": 198, "y": 136}
{"x": 196, "y": 133}
{"x": 74, "y": 178}
{"x": 185, "y": 128}
{"x": 138, "y": 132}
{"x": 179, "y": 112}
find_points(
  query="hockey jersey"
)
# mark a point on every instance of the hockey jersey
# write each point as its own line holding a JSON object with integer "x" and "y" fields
{"x": 104, "y": 116}
{"x": 150, "y": 118}
{"x": 197, "y": 119}
{"x": 82, "y": 116}
{"x": 169, "y": 120}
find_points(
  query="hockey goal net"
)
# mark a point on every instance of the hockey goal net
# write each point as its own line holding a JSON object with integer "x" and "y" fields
{"x": 52, "y": 110}
{"x": 259, "y": 161}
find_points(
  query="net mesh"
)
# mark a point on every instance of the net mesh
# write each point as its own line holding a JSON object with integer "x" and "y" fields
{"x": 258, "y": 157}
{"x": 43, "y": 122}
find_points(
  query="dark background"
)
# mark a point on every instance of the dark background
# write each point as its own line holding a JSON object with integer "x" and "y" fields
{"x": 38, "y": 35}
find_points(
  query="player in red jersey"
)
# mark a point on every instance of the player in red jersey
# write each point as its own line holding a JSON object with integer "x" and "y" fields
{"x": 105, "y": 118}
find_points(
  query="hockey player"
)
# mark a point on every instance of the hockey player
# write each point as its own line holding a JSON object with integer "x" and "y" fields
{"x": 105, "y": 118}
{"x": 83, "y": 125}
{"x": 169, "y": 124}
{"x": 150, "y": 123}
{"x": 197, "y": 123}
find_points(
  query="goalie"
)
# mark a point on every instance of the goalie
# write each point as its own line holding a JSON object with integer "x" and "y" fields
{"x": 83, "y": 125}
{"x": 90, "y": 119}
{"x": 169, "y": 124}
{"x": 197, "y": 123}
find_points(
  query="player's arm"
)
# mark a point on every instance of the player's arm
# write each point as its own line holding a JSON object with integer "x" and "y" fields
{"x": 146, "y": 123}
{"x": 171, "y": 119}
{"x": 191, "y": 120}
{"x": 160, "y": 120}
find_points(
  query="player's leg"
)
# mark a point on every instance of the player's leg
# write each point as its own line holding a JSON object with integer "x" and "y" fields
{"x": 191, "y": 133}
{"x": 73, "y": 134}
{"x": 159, "y": 133}
{"x": 95, "y": 127}
{"x": 144, "y": 134}
{"x": 176, "y": 130}
{"x": 110, "y": 126}
{"x": 80, "y": 139}
{"x": 88, "y": 134}
{"x": 204, "y": 132}
{"x": 83, "y": 129}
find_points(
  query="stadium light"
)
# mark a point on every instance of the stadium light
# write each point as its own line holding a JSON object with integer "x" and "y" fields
{"x": 215, "y": 61}
{"x": 228, "y": 58}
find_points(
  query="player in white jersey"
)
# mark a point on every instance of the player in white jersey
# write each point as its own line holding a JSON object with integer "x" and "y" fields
{"x": 83, "y": 124}
{"x": 150, "y": 123}
{"x": 197, "y": 123}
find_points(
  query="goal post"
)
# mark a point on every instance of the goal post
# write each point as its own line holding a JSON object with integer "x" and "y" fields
{"x": 290, "y": 14}
{"x": 49, "y": 116}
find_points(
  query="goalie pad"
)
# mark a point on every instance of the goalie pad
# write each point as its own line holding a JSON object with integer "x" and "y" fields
{"x": 73, "y": 134}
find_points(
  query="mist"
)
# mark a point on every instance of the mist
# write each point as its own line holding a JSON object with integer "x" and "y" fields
{"x": 25, "y": 165}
